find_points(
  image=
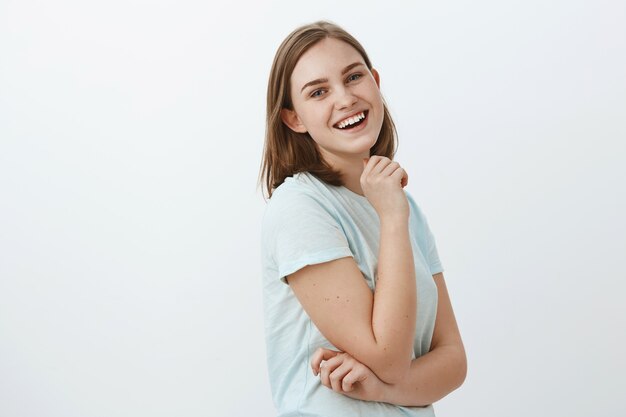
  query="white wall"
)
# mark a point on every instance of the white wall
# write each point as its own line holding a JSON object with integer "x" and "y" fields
{"x": 130, "y": 142}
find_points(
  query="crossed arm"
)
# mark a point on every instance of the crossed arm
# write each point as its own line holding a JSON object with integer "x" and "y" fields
{"x": 376, "y": 329}
{"x": 427, "y": 379}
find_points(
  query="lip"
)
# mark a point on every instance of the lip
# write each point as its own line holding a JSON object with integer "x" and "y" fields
{"x": 360, "y": 127}
{"x": 351, "y": 115}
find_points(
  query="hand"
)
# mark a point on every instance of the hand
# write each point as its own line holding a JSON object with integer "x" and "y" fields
{"x": 382, "y": 181}
{"x": 345, "y": 375}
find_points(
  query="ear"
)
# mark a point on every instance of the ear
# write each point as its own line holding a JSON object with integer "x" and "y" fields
{"x": 291, "y": 119}
{"x": 376, "y": 77}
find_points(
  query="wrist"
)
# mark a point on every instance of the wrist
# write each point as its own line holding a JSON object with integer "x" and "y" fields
{"x": 394, "y": 221}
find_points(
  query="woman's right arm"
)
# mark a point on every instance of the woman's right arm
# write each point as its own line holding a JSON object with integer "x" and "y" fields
{"x": 376, "y": 328}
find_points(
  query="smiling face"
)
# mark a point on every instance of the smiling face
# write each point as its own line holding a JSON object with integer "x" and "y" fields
{"x": 331, "y": 83}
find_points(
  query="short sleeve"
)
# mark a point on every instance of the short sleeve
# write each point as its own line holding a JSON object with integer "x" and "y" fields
{"x": 298, "y": 230}
{"x": 425, "y": 238}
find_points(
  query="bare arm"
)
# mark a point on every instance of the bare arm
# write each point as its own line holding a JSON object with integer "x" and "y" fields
{"x": 375, "y": 328}
{"x": 442, "y": 370}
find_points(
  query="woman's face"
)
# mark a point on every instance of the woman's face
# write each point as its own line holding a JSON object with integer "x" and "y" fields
{"x": 340, "y": 89}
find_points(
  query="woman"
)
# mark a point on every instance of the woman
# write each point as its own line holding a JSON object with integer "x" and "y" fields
{"x": 357, "y": 315}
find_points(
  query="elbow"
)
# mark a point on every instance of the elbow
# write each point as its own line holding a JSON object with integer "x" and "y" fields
{"x": 456, "y": 375}
{"x": 461, "y": 368}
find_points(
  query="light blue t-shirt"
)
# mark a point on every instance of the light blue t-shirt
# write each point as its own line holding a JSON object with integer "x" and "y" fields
{"x": 306, "y": 222}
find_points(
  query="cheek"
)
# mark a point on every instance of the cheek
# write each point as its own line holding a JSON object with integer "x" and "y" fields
{"x": 319, "y": 117}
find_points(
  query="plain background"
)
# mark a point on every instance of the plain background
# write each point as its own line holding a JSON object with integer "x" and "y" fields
{"x": 131, "y": 136}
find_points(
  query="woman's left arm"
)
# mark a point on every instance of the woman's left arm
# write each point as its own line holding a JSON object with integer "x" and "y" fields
{"x": 430, "y": 377}
{"x": 440, "y": 371}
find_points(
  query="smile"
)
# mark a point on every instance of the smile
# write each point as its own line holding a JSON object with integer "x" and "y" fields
{"x": 353, "y": 123}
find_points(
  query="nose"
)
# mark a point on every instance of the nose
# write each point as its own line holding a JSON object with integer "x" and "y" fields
{"x": 345, "y": 99}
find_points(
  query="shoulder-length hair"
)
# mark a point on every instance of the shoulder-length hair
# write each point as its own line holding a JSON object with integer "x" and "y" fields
{"x": 287, "y": 152}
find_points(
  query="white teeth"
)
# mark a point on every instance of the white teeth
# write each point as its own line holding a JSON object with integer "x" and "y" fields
{"x": 351, "y": 120}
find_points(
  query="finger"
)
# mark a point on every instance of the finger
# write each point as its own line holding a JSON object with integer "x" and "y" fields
{"x": 389, "y": 169}
{"x": 336, "y": 376}
{"x": 369, "y": 163}
{"x": 380, "y": 165}
{"x": 399, "y": 174}
{"x": 348, "y": 380}
{"x": 357, "y": 374}
{"x": 327, "y": 367}
{"x": 321, "y": 354}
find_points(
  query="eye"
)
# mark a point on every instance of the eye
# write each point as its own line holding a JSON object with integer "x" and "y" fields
{"x": 314, "y": 93}
{"x": 350, "y": 78}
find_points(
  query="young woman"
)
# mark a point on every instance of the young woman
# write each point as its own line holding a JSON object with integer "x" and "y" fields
{"x": 358, "y": 320}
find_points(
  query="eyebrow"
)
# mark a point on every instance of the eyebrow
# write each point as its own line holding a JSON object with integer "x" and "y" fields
{"x": 323, "y": 80}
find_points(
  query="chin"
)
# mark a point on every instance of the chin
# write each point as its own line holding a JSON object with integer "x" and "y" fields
{"x": 372, "y": 140}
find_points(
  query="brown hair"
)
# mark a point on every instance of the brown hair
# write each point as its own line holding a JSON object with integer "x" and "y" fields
{"x": 287, "y": 152}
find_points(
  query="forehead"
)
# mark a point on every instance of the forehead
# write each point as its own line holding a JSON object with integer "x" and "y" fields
{"x": 325, "y": 59}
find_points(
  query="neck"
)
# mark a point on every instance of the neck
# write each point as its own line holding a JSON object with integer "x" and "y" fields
{"x": 352, "y": 178}
{"x": 351, "y": 167}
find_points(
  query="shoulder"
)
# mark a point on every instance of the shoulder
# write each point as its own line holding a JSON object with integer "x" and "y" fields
{"x": 298, "y": 223}
{"x": 297, "y": 200}
{"x": 291, "y": 194}
{"x": 301, "y": 192}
